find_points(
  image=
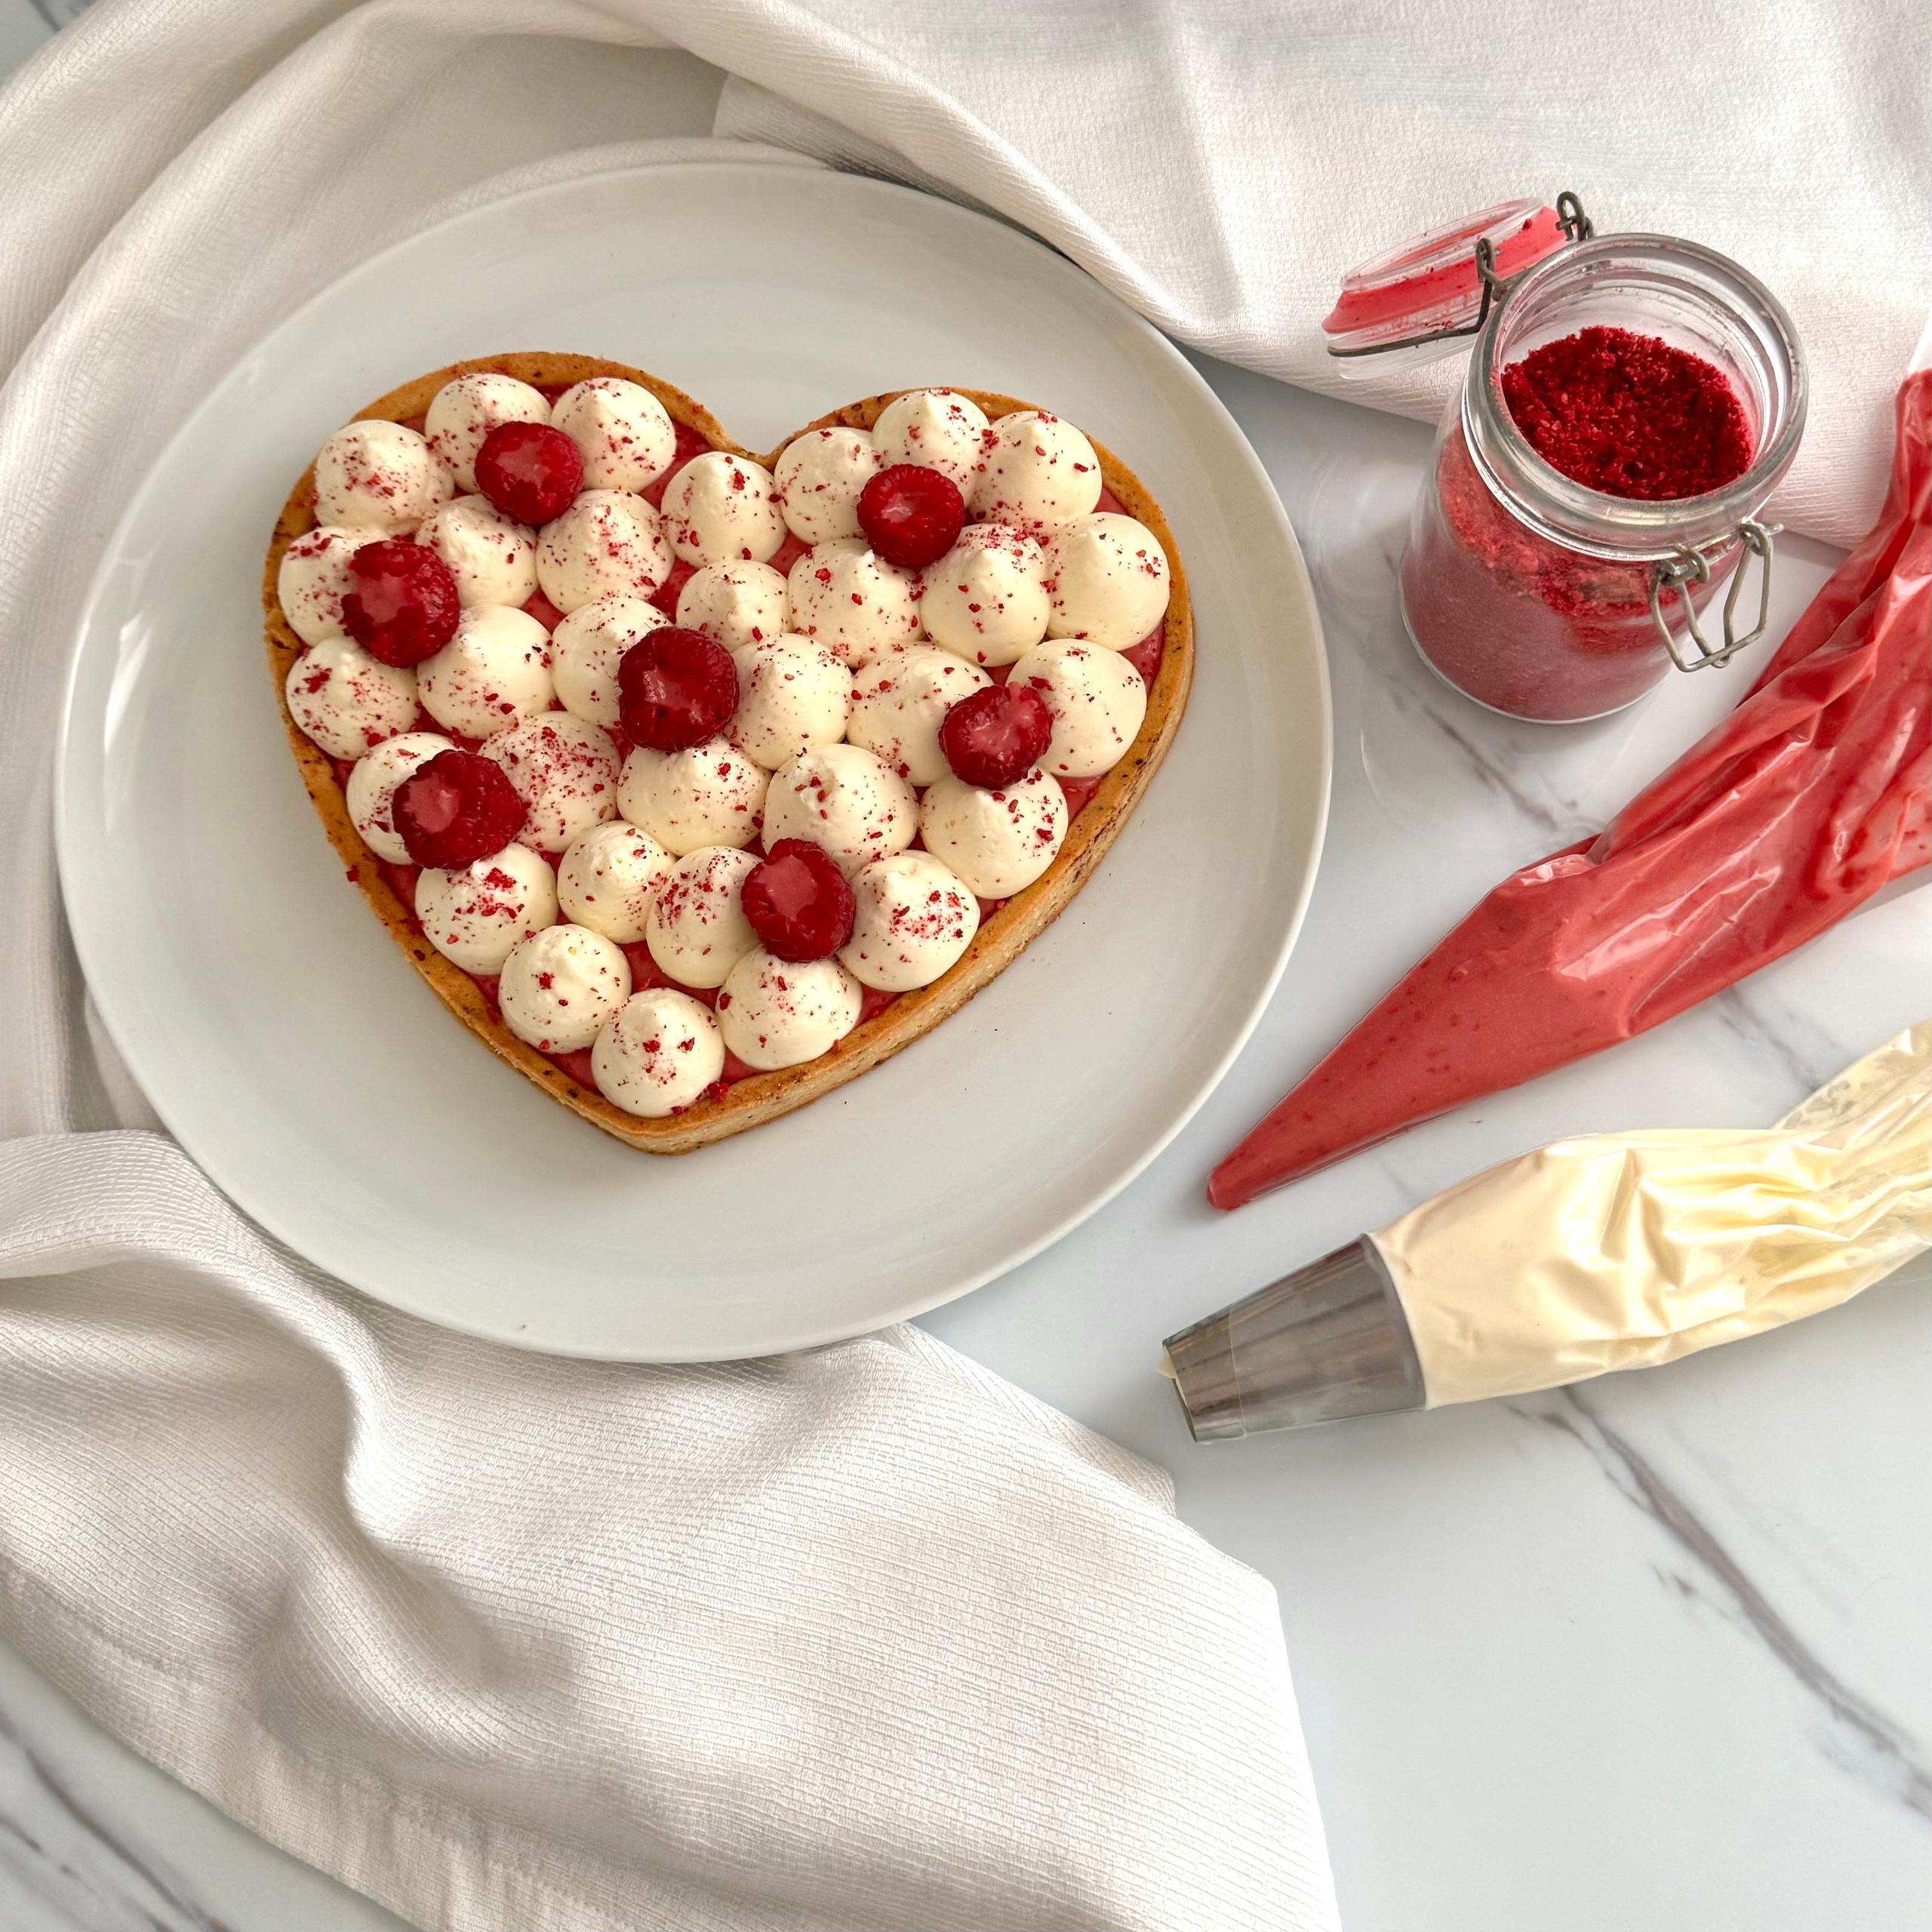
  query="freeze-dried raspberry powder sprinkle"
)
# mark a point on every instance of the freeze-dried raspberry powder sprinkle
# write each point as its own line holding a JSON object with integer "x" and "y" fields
{"x": 797, "y": 902}
{"x": 403, "y": 606}
{"x": 675, "y": 689}
{"x": 456, "y": 809}
{"x": 530, "y": 471}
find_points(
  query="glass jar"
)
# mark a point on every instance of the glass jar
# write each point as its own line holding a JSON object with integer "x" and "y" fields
{"x": 1542, "y": 598}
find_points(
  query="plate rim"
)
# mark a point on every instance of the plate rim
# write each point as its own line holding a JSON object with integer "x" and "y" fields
{"x": 69, "y": 816}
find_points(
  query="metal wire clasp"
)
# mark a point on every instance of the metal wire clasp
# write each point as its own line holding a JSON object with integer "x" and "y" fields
{"x": 1693, "y": 566}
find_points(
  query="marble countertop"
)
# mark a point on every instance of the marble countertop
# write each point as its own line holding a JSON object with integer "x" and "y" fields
{"x": 1653, "y": 1653}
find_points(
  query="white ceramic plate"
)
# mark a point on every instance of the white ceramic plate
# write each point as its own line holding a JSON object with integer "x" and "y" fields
{"x": 317, "y": 1078}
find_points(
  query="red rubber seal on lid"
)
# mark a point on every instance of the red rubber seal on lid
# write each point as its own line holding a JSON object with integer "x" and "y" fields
{"x": 1430, "y": 282}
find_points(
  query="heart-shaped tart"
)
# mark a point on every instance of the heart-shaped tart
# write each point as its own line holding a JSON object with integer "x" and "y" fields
{"x": 697, "y": 783}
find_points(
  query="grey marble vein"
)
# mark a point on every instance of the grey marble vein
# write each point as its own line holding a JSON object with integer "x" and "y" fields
{"x": 1884, "y": 1752}
{"x": 1561, "y": 822}
{"x": 63, "y": 1868}
{"x": 1806, "y": 1052}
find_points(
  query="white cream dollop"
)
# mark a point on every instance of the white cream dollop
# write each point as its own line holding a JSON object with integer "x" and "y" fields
{"x": 492, "y": 557}
{"x": 1110, "y": 581}
{"x": 914, "y": 917}
{"x": 985, "y": 599}
{"x": 659, "y": 1054}
{"x": 1039, "y": 471}
{"x": 793, "y": 693}
{"x": 819, "y": 476}
{"x": 707, "y": 795}
{"x": 936, "y": 428}
{"x": 587, "y": 647}
{"x": 467, "y": 408}
{"x": 314, "y": 578}
{"x": 845, "y": 798}
{"x": 735, "y": 604}
{"x": 626, "y": 434}
{"x": 608, "y": 878}
{"x": 997, "y": 840}
{"x": 720, "y": 507}
{"x": 560, "y": 987}
{"x": 697, "y": 929}
{"x": 844, "y": 593}
{"x": 345, "y": 700}
{"x": 477, "y": 917}
{"x": 565, "y": 771}
{"x": 1097, "y": 701}
{"x": 899, "y": 701}
{"x": 609, "y": 542}
{"x": 775, "y": 1012}
{"x": 493, "y": 673}
{"x": 378, "y": 475}
{"x": 371, "y": 792}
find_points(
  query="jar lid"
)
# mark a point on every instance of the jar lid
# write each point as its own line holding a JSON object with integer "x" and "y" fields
{"x": 1415, "y": 304}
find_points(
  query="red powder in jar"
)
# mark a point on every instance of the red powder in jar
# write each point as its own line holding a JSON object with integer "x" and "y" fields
{"x": 1629, "y": 415}
{"x": 1522, "y": 624}
{"x": 1533, "y": 627}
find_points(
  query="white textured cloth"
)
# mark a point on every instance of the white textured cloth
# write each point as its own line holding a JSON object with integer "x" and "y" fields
{"x": 1219, "y": 163}
{"x": 865, "y": 1638}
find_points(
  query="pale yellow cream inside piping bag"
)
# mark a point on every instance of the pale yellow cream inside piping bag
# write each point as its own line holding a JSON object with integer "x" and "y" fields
{"x": 1618, "y": 1251}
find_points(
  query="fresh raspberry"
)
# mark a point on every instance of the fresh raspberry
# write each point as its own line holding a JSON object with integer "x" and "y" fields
{"x": 797, "y": 902}
{"x": 675, "y": 689}
{"x": 456, "y": 809}
{"x": 530, "y": 471}
{"x": 404, "y": 607}
{"x": 911, "y": 517}
{"x": 995, "y": 736}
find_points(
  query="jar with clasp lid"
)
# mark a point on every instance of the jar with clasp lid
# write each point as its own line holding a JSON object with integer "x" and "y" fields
{"x": 1629, "y": 405}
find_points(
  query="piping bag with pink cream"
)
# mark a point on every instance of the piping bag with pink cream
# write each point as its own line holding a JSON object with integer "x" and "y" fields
{"x": 1614, "y": 1250}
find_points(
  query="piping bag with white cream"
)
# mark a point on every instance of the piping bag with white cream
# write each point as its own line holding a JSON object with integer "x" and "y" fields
{"x": 1615, "y": 1250}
